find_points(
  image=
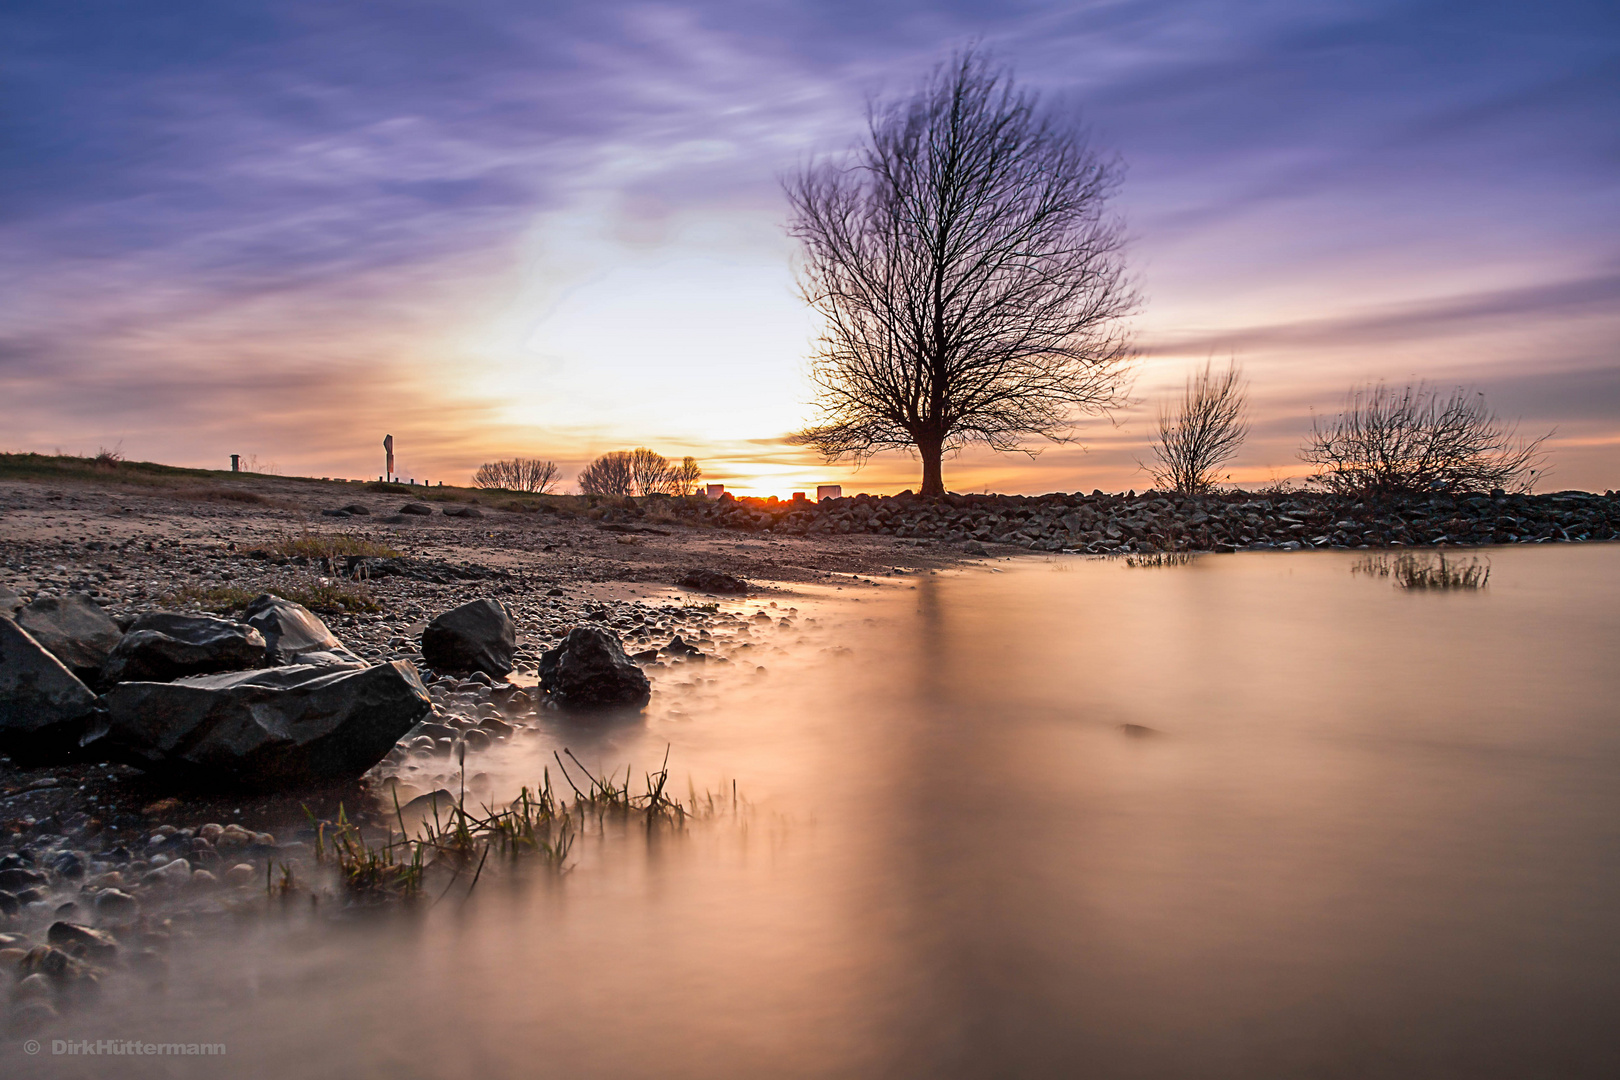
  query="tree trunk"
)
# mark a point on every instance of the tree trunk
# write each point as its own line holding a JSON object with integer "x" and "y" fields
{"x": 933, "y": 480}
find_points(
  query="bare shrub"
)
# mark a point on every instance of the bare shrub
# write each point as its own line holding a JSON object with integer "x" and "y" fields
{"x": 1202, "y": 433}
{"x": 1388, "y": 443}
{"x": 611, "y": 474}
{"x": 531, "y": 476}
{"x": 685, "y": 477}
{"x": 652, "y": 472}
{"x": 971, "y": 279}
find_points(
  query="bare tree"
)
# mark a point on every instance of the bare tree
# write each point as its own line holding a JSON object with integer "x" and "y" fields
{"x": 686, "y": 476}
{"x": 1204, "y": 432}
{"x": 1400, "y": 442}
{"x": 970, "y": 278}
{"x": 529, "y": 475}
{"x": 610, "y": 474}
{"x": 651, "y": 471}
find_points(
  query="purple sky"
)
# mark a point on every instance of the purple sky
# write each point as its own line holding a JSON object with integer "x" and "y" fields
{"x": 284, "y": 229}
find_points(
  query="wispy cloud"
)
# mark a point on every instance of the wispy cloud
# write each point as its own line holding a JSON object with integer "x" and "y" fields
{"x": 472, "y": 224}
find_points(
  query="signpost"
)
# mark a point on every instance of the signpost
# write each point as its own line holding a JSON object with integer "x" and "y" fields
{"x": 388, "y": 445}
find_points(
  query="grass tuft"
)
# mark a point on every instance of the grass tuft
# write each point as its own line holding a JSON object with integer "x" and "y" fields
{"x": 1413, "y": 571}
{"x": 540, "y": 825}
{"x": 1161, "y": 558}
{"x": 314, "y": 545}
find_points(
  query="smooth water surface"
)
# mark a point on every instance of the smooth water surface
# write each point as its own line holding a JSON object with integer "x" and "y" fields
{"x": 1351, "y": 831}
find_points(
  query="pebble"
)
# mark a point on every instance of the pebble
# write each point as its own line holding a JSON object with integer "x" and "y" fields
{"x": 173, "y": 873}
{"x": 116, "y": 907}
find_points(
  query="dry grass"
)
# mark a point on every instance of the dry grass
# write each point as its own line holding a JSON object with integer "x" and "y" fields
{"x": 1161, "y": 558}
{"x": 222, "y": 494}
{"x": 540, "y": 825}
{"x": 313, "y": 545}
{"x": 1413, "y": 571}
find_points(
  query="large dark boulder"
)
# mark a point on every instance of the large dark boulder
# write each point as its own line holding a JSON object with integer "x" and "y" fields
{"x": 273, "y": 729}
{"x": 713, "y": 581}
{"x": 477, "y": 636}
{"x": 589, "y": 670}
{"x": 164, "y": 645}
{"x": 74, "y": 629}
{"x": 43, "y": 705}
{"x": 293, "y": 634}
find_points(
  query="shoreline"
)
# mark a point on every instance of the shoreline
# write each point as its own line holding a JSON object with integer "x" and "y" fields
{"x": 615, "y": 562}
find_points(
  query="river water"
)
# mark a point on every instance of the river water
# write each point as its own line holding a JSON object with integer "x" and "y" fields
{"x": 1257, "y": 816}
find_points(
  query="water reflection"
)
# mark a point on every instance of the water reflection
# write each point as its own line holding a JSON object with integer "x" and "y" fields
{"x": 1373, "y": 833}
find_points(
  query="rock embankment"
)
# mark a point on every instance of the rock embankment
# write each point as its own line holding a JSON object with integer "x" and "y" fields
{"x": 1102, "y": 524}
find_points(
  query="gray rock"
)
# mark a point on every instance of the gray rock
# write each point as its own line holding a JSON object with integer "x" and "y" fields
{"x": 973, "y": 547}
{"x": 114, "y": 907}
{"x": 73, "y": 629}
{"x": 272, "y": 729}
{"x": 589, "y": 670}
{"x": 477, "y": 636}
{"x": 463, "y": 512}
{"x": 43, "y": 705}
{"x": 164, "y": 645}
{"x": 358, "y": 509}
{"x": 15, "y": 879}
{"x": 713, "y": 581}
{"x": 10, "y": 603}
{"x": 71, "y": 938}
{"x": 293, "y": 634}
{"x": 419, "y": 509}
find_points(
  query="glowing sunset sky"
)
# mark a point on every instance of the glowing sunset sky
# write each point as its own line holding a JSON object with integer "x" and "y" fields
{"x": 284, "y": 229}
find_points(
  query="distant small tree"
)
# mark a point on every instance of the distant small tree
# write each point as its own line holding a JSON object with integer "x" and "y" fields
{"x": 529, "y": 475}
{"x": 1390, "y": 442}
{"x": 652, "y": 472}
{"x": 686, "y": 476}
{"x": 1202, "y": 433}
{"x": 611, "y": 474}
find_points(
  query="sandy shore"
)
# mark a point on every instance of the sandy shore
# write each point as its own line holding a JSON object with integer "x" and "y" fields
{"x": 137, "y": 549}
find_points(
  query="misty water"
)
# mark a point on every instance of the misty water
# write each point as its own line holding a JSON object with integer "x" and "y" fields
{"x": 1258, "y": 816}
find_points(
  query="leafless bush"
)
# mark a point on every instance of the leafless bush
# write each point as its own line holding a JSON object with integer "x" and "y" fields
{"x": 611, "y": 474}
{"x": 652, "y": 472}
{"x": 685, "y": 477}
{"x": 1390, "y": 442}
{"x": 529, "y": 475}
{"x": 1204, "y": 432}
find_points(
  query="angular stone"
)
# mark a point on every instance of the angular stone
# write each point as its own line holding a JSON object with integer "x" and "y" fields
{"x": 273, "y": 729}
{"x": 293, "y": 634}
{"x": 43, "y": 705}
{"x": 70, "y": 937}
{"x": 73, "y": 629}
{"x": 163, "y": 645}
{"x": 463, "y": 512}
{"x": 358, "y": 509}
{"x": 589, "y": 670}
{"x": 419, "y": 509}
{"x": 477, "y": 636}
{"x": 10, "y": 603}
